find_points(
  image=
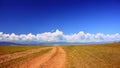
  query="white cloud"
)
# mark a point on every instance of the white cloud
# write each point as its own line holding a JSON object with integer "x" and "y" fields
{"x": 13, "y": 36}
{"x": 59, "y": 36}
{"x": 50, "y": 36}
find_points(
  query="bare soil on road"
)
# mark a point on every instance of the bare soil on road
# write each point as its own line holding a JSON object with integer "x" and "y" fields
{"x": 57, "y": 61}
{"x": 7, "y": 57}
{"x": 54, "y": 58}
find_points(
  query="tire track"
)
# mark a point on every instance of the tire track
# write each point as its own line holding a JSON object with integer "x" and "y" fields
{"x": 37, "y": 61}
{"x": 8, "y": 57}
{"x": 57, "y": 61}
{"x": 55, "y": 58}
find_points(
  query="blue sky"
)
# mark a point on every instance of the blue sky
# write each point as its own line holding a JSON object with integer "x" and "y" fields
{"x": 69, "y": 16}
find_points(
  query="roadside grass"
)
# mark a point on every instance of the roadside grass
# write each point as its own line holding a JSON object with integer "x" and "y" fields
{"x": 93, "y": 56}
{"x": 16, "y": 62}
{"x": 13, "y": 49}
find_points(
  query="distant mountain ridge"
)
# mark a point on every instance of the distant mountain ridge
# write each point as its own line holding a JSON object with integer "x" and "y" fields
{"x": 47, "y": 43}
{"x": 9, "y": 43}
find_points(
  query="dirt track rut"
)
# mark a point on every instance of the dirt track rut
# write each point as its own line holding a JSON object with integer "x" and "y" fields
{"x": 55, "y": 58}
{"x": 57, "y": 61}
{"x": 7, "y": 57}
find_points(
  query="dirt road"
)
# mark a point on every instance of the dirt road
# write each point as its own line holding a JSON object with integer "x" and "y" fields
{"x": 7, "y": 57}
{"x": 57, "y": 61}
{"x": 55, "y": 58}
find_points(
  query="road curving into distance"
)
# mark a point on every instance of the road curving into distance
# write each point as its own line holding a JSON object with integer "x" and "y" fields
{"x": 55, "y": 58}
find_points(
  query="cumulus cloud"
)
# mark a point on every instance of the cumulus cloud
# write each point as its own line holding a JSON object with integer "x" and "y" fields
{"x": 59, "y": 36}
{"x": 50, "y": 36}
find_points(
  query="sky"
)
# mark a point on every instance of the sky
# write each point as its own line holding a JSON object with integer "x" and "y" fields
{"x": 60, "y": 20}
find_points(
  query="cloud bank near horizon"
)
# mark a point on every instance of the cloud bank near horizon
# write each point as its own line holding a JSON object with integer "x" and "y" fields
{"x": 59, "y": 36}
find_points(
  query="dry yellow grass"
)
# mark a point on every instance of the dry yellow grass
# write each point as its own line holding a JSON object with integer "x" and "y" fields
{"x": 93, "y": 56}
{"x": 13, "y": 49}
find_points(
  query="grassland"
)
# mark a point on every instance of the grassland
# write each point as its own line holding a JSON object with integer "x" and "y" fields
{"x": 77, "y": 56}
{"x": 13, "y": 49}
{"x": 93, "y": 56}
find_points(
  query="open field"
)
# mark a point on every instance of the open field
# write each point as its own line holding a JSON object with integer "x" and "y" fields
{"x": 13, "y": 49}
{"x": 65, "y": 56}
{"x": 93, "y": 56}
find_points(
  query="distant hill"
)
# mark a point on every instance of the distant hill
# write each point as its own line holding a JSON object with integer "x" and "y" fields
{"x": 9, "y": 43}
{"x": 48, "y": 43}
